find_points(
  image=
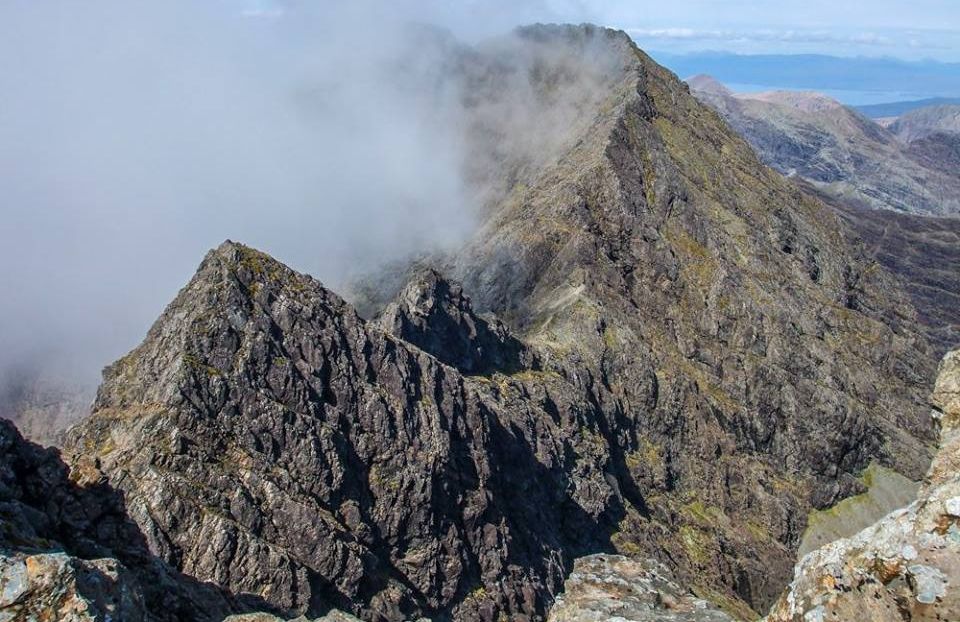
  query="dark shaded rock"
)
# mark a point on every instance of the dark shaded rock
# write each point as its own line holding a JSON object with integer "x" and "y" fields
{"x": 274, "y": 444}
{"x": 435, "y": 315}
{"x": 923, "y": 252}
{"x": 67, "y": 544}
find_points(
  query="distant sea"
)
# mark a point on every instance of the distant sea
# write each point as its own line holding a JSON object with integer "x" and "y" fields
{"x": 848, "y": 97}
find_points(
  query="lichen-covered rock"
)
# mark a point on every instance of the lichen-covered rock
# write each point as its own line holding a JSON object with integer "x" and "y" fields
{"x": 907, "y": 565}
{"x": 56, "y": 586}
{"x": 603, "y": 588}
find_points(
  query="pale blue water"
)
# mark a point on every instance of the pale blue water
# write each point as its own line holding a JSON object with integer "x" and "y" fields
{"x": 851, "y": 98}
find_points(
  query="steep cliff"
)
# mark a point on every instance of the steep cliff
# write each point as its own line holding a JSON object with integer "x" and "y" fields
{"x": 907, "y": 565}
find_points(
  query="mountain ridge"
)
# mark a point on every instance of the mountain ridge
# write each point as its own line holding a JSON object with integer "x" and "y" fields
{"x": 711, "y": 356}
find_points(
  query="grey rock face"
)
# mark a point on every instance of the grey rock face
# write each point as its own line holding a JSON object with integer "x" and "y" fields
{"x": 269, "y": 441}
{"x": 603, "y": 588}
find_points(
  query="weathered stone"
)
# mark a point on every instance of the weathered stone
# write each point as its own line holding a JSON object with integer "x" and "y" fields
{"x": 55, "y": 586}
{"x": 602, "y": 588}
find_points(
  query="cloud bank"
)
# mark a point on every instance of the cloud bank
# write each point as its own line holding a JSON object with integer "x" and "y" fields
{"x": 135, "y": 135}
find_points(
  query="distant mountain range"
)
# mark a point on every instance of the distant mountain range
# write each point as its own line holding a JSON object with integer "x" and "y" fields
{"x": 811, "y": 71}
{"x": 840, "y": 151}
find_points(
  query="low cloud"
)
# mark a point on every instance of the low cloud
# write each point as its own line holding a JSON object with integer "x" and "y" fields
{"x": 135, "y": 135}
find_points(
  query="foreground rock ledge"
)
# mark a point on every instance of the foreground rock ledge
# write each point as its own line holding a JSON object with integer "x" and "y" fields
{"x": 613, "y": 587}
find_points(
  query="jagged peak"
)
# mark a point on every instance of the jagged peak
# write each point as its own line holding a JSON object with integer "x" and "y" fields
{"x": 434, "y": 314}
{"x": 233, "y": 289}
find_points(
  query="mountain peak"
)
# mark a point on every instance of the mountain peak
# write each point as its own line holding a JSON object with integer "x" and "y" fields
{"x": 708, "y": 84}
{"x": 434, "y": 314}
{"x": 805, "y": 101}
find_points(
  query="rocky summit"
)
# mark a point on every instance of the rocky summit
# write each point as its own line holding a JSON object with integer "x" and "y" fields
{"x": 653, "y": 346}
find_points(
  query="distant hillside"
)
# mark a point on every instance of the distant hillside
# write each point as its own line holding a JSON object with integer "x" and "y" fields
{"x": 856, "y": 166}
{"x": 841, "y": 152}
{"x": 895, "y": 109}
{"x": 924, "y": 122}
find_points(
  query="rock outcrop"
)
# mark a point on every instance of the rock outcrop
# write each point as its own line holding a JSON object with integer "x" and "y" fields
{"x": 612, "y": 587}
{"x": 693, "y": 355}
{"x": 433, "y": 314}
{"x": 907, "y": 565}
{"x": 56, "y": 586}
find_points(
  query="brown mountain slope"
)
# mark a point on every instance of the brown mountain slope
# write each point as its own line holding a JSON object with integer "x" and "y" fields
{"x": 695, "y": 355}
{"x": 923, "y": 252}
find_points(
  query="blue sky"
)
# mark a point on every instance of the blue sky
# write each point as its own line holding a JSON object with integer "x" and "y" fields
{"x": 916, "y": 29}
